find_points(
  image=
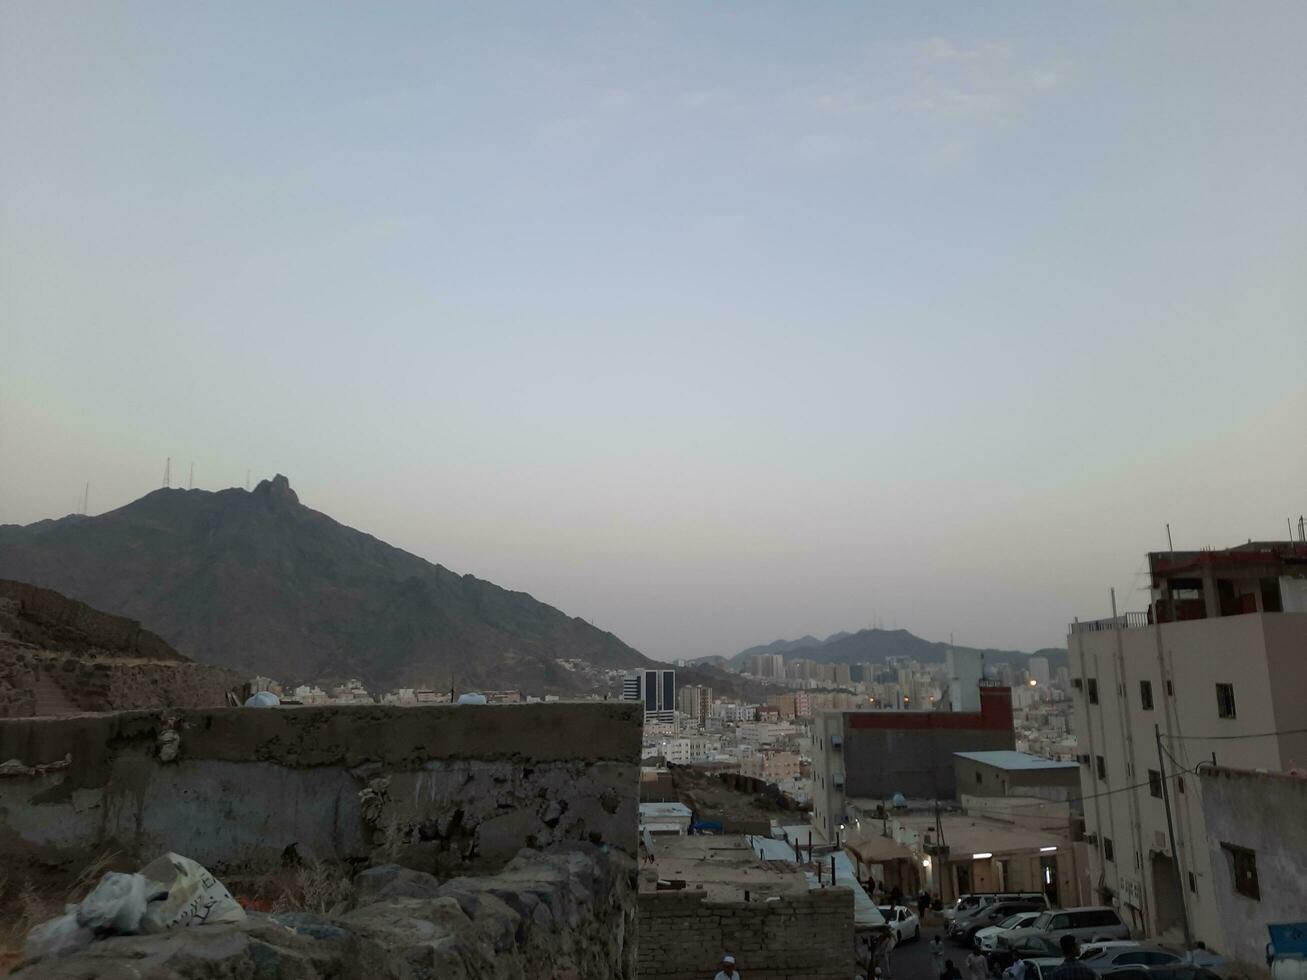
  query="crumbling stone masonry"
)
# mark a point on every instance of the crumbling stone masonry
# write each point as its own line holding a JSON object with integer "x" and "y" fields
{"x": 444, "y": 789}
{"x": 808, "y": 937}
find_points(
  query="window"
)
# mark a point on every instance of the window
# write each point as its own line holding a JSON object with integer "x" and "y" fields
{"x": 1092, "y": 684}
{"x": 1225, "y": 700}
{"x": 1170, "y": 689}
{"x": 1107, "y": 849}
{"x": 1244, "y": 864}
{"x": 1193, "y": 882}
{"x": 1102, "y": 766}
{"x": 1146, "y": 695}
{"x": 1155, "y": 783}
{"x": 1179, "y": 783}
{"x": 979, "y": 779}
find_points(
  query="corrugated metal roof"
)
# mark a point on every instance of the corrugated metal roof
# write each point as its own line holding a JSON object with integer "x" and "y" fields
{"x": 1010, "y": 760}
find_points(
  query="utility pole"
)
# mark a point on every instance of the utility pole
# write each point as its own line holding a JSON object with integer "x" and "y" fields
{"x": 1170, "y": 832}
{"x": 1169, "y": 545}
{"x": 167, "y": 472}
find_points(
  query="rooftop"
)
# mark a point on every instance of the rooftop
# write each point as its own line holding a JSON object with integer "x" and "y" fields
{"x": 662, "y": 811}
{"x": 1015, "y": 761}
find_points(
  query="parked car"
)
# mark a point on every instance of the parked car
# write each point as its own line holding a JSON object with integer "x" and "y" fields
{"x": 1178, "y": 971}
{"x": 986, "y": 939}
{"x": 963, "y": 929}
{"x": 969, "y": 903}
{"x": 1087, "y": 924}
{"x": 1109, "y": 956}
{"x": 1041, "y": 950}
{"x": 1032, "y": 947}
{"x": 902, "y": 921}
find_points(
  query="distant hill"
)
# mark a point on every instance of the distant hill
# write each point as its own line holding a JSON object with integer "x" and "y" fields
{"x": 877, "y": 646}
{"x": 256, "y": 581}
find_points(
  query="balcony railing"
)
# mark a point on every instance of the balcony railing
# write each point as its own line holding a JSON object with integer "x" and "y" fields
{"x": 1126, "y": 621}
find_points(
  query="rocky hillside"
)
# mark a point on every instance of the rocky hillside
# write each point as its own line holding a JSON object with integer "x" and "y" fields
{"x": 256, "y": 581}
{"x": 876, "y": 646}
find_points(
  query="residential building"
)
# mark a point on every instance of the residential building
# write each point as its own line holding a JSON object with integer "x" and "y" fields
{"x": 657, "y": 690}
{"x": 1007, "y": 773}
{"x": 772, "y": 766}
{"x": 965, "y": 670}
{"x": 876, "y": 754}
{"x": 1257, "y": 846}
{"x": 1038, "y": 668}
{"x": 665, "y": 818}
{"x": 1013, "y": 844}
{"x": 695, "y": 703}
{"x": 1212, "y": 666}
{"x": 769, "y": 665}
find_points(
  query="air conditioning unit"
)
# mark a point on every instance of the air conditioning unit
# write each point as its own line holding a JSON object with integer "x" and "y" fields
{"x": 837, "y": 779}
{"x": 1077, "y": 683}
{"x": 1091, "y": 839}
{"x": 1083, "y": 759}
{"x": 836, "y": 741}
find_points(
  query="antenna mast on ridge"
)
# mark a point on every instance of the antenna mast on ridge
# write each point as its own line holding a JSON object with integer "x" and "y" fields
{"x": 167, "y": 472}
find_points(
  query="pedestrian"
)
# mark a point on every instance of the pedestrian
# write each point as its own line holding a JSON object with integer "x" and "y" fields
{"x": 896, "y": 896}
{"x": 950, "y": 972}
{"x": 728, "y": 971}
{"x": 937, "y": 953}
{"x": 1071, "y": 967}
{"x": 923, "y": 903}
{"x": 977, "y": 966}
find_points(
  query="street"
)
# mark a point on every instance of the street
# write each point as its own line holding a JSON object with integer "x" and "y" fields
{"x": 912, "y": 960}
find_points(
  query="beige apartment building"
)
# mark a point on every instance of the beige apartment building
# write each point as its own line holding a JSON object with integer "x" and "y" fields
{"x": 1217, "y": 667}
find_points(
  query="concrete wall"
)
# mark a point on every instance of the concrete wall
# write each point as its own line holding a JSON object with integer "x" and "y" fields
{"x": 444, "y": 789}
{"x": 918, "y": 764}
{"x": 804, "y": 938}
{"x": 1264, "y": 813}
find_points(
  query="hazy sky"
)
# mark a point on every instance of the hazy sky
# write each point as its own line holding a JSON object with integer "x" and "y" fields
{"x": 711, "y": 323}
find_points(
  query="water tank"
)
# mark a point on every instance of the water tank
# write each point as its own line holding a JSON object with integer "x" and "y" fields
{"x": 471, "y": 699}
{"x": 264, "y": 699}
{"x": 898, "y": 801}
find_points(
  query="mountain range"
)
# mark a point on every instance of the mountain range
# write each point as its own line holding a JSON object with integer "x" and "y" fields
{"x": 256, "y": 581}
{"x": 878, "y": 645}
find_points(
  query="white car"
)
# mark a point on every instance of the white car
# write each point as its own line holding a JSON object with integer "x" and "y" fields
{"x": 902, "y": 922}
{"x": 987, "y": 938}
{"x": 1037, "y": 966}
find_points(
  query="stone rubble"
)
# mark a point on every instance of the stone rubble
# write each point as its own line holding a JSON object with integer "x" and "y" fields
{"x": 568, "y": 911}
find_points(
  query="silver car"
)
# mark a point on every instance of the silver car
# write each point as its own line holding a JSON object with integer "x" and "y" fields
{"x": 1087, "y": 924}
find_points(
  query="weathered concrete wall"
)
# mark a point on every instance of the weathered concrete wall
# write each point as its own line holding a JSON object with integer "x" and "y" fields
{"x": 803, "y": 938}
{"x": 1262, "y": 812}
{"x": 444, "y": 789}
{"x": 565, "y": 912}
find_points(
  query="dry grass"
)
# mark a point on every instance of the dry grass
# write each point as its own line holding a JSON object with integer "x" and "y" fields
{"x": 28, "y": 905}
{"x": 314, "y": 887}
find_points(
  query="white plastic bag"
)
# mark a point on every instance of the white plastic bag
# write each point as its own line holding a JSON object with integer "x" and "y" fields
{"x": 116, "y": 905}
{"x": 58, "y": 937}
{"x": 195, "y": 897}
